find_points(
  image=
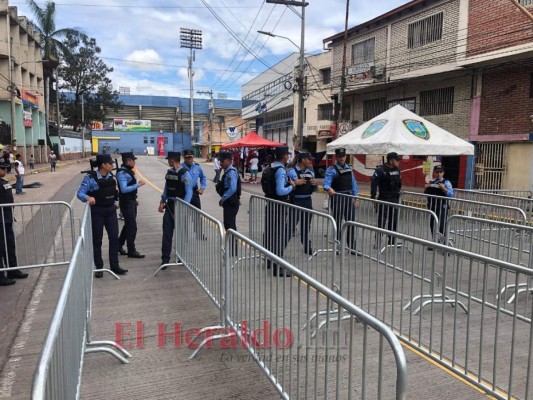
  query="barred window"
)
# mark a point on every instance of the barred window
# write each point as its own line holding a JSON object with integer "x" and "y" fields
{"x": 372, "y": 108}
{"x": 409, "y": 103}
{"x": 145, "y": 139}
{"x": 326, "y": 75}
{"x": 152, "y": 140}
{"x": 363, "y": 52}
{"x": 425, "y": 31}
{"x": 526, "y": 2}
{"x": 325, "y": 112}
{"x": 437, "y": 102}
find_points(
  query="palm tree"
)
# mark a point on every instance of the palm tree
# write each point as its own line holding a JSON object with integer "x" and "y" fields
{"x": 44, "y": 22}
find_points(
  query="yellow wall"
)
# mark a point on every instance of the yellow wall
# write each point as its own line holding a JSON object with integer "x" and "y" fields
{"x": 518, "y": 175}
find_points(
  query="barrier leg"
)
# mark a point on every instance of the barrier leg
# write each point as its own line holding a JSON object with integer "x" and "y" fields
{"x": 433, "y": 298}
{"x": 164, "y": 266}
{"x": 108, "y": 271}
{"x": 114, "y": 353}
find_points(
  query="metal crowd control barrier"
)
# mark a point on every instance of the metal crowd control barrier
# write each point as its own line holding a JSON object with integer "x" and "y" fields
{"x": 199, "y": 245}
{"x": 524, "y": 203}
{"x": 460, "y": 323}
{"x": 358, "y": 357}
{"x": 506, "y": 242}
{"x": 303, "y": 237}
{"x": 469, "y": 208}
{"x": 41, "y": 239}
{"x": 412, "y": 221}
{"x": 509, "y": 192}
{"x": 58, "y": 373}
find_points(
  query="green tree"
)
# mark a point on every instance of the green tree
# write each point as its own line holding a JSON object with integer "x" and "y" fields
{"x": 84, "y": 75}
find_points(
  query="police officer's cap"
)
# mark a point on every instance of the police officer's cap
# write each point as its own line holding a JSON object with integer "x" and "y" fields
{"x": 224, "y": 155}
{"x": 438, "y": 168}
{"x": 128, "y": 156}
{"x": 393, "y": 156}
{"x": 340, "y": 152}
{"x": 173, "y": 154}
{"x": 103, "y": 158}
{"x": 301, "y": 156}
{"x": 281, "y": 151}
{"x": 188, "y": 152}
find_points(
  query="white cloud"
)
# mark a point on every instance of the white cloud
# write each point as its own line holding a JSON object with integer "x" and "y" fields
{"x": 145, "y": 60}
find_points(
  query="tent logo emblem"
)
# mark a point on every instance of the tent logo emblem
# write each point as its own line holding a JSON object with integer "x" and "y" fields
{"x": 374, "y": 128}
{"x": 417, "y": 128}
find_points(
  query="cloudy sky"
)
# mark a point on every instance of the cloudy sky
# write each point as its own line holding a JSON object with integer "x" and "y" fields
{"x": 140, "y": 38}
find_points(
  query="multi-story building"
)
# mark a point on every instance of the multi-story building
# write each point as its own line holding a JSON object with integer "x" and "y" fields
{"x": 411, "y": 56}
{"x": 22, "y": 109}
{"x": 500, "y": 54}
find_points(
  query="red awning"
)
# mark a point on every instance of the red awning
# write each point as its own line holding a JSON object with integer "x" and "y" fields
{"x": 252, "y": 140}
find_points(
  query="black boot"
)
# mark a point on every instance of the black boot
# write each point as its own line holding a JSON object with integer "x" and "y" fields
{"x": 119, "y": 271}
{"x": 16, "y": 274}
{"x": 135, "y": 254}
{"x": 6, "y": 281}
{"x": 122, "y": 252}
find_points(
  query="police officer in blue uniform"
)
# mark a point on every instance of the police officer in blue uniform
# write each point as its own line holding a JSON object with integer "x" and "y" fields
{"x": 99, "y": 190}
{"x": 438, "y": 186}
{"x": 229, "y": 189}
{"x": 278, "y": 229}
{"x": 8, "y": 252}
{"x": 387, "y": 179}
{"x": 302, "y": 196}
{"x": 196, "y": 173}
{"x": 178, "y": 184}
{"x": 341, "y": 179}
{"x": 127, "y": 187}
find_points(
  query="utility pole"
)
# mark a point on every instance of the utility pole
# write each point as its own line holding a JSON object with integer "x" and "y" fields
{"x": 340, "y": 114}
{"x": 210, "y": 120}
{"x": 82, "y": 126}
{"x": 191, "y": 39}
{"x": 300, "y": 79}
{"x": 13, "y": 90}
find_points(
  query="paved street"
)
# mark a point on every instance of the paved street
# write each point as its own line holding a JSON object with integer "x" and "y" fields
{"x": 173, "y": 296}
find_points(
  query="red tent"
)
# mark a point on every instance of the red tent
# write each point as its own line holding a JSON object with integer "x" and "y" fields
{"x": 252, "y": 140}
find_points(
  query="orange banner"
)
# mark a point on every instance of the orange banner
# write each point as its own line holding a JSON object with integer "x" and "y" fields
{"x": 29, "y": 98}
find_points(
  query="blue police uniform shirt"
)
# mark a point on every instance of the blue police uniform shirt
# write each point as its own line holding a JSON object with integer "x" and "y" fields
{"x": 281, "y": 179}
{"x": 331, "y": 174}
{"x": 123, "y": 179}
{"x": 186, "y": 179}
{"x": 230, "y": 184}
{"x": 293, "y": 176}
{"x": 197, "y": 173}
{"x": 447, "y": 185}
{"x": 90, "y": 185}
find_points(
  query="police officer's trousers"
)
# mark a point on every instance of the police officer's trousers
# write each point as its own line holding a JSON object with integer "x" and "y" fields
{"x": 343, "y": 208}
{"x": 8, "y": 252}
{"x": 230, "y": 219}
{"x": 197, "y": 223}
{"x": 105, "y": 217}
{"x": 303, "y": 218}
{"x": 277, "y": 228}
{"x": 129, "y": 230}
{"x": 388, "y": 216}
{"x": 441, "y": 210}
{"x": 168, "y": 232}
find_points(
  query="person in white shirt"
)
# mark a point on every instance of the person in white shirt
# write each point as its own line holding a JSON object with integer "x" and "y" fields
{"x": 19, "y": 174}
{"x": 52, "y": 159}
{"x": 254, "y": 164}
{"x": 216, "y": 165}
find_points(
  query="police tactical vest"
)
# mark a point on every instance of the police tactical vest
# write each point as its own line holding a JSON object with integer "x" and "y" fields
{"x": 133, "y": 194}
{"x": 6, "y": 197}
{"x": 175, "y": 187}
{"x": 307, "y": 189}
{"x": 220, "y": 187}
{"x": 435, "y": 190}
{"x": 106, "y": 194}
{"x": 343, "y": 181}
{"x": 390, "y": 183}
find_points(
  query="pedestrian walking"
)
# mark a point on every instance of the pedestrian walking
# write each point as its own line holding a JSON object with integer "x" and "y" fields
{"x": 99, "y": 190}
{"x": 254, "y": 167}
{"x": 387, "y": 180}
{"x": 128, "y": 186}
{"x": 341, "y": 179}
{"x": 32, "y": 162}
{"x": 178, "y": 184}
{"x": 229, "y": 189}
{"x": 302, "y": 196}
{"x": 19, "y": 175}
{"x": 52, "y": 159}
{"x": 438, "y": 186}
{"x": 8, "y": 251}
{"x": 216, "y": 167}
{"x": 277, "y": 186}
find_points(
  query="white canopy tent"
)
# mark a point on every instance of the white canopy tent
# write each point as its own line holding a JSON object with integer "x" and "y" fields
{"x": 404, "y": 132}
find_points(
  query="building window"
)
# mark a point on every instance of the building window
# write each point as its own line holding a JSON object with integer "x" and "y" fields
{"x": 372, "y": 108}
{"x": 152, "y": 140}
{"x": 363, "y": 52}
{"x": 166, "y": 139}
{"x": 145, "y": 140}
{"x": 409, "y": 103}
{"x": 436, "y": 102}
{"x": 425, "y": 31}
{"x": 526, "y": 2}
{"x": 325, "y": 112}
{"x": 326, "y": 75}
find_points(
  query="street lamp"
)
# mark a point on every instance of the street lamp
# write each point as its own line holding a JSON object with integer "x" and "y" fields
{"x": 300, "y": 77}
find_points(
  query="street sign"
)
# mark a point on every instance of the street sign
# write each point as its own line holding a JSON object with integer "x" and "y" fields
{"x": 232, "y": 132}
{"x": 344, "y": 128}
